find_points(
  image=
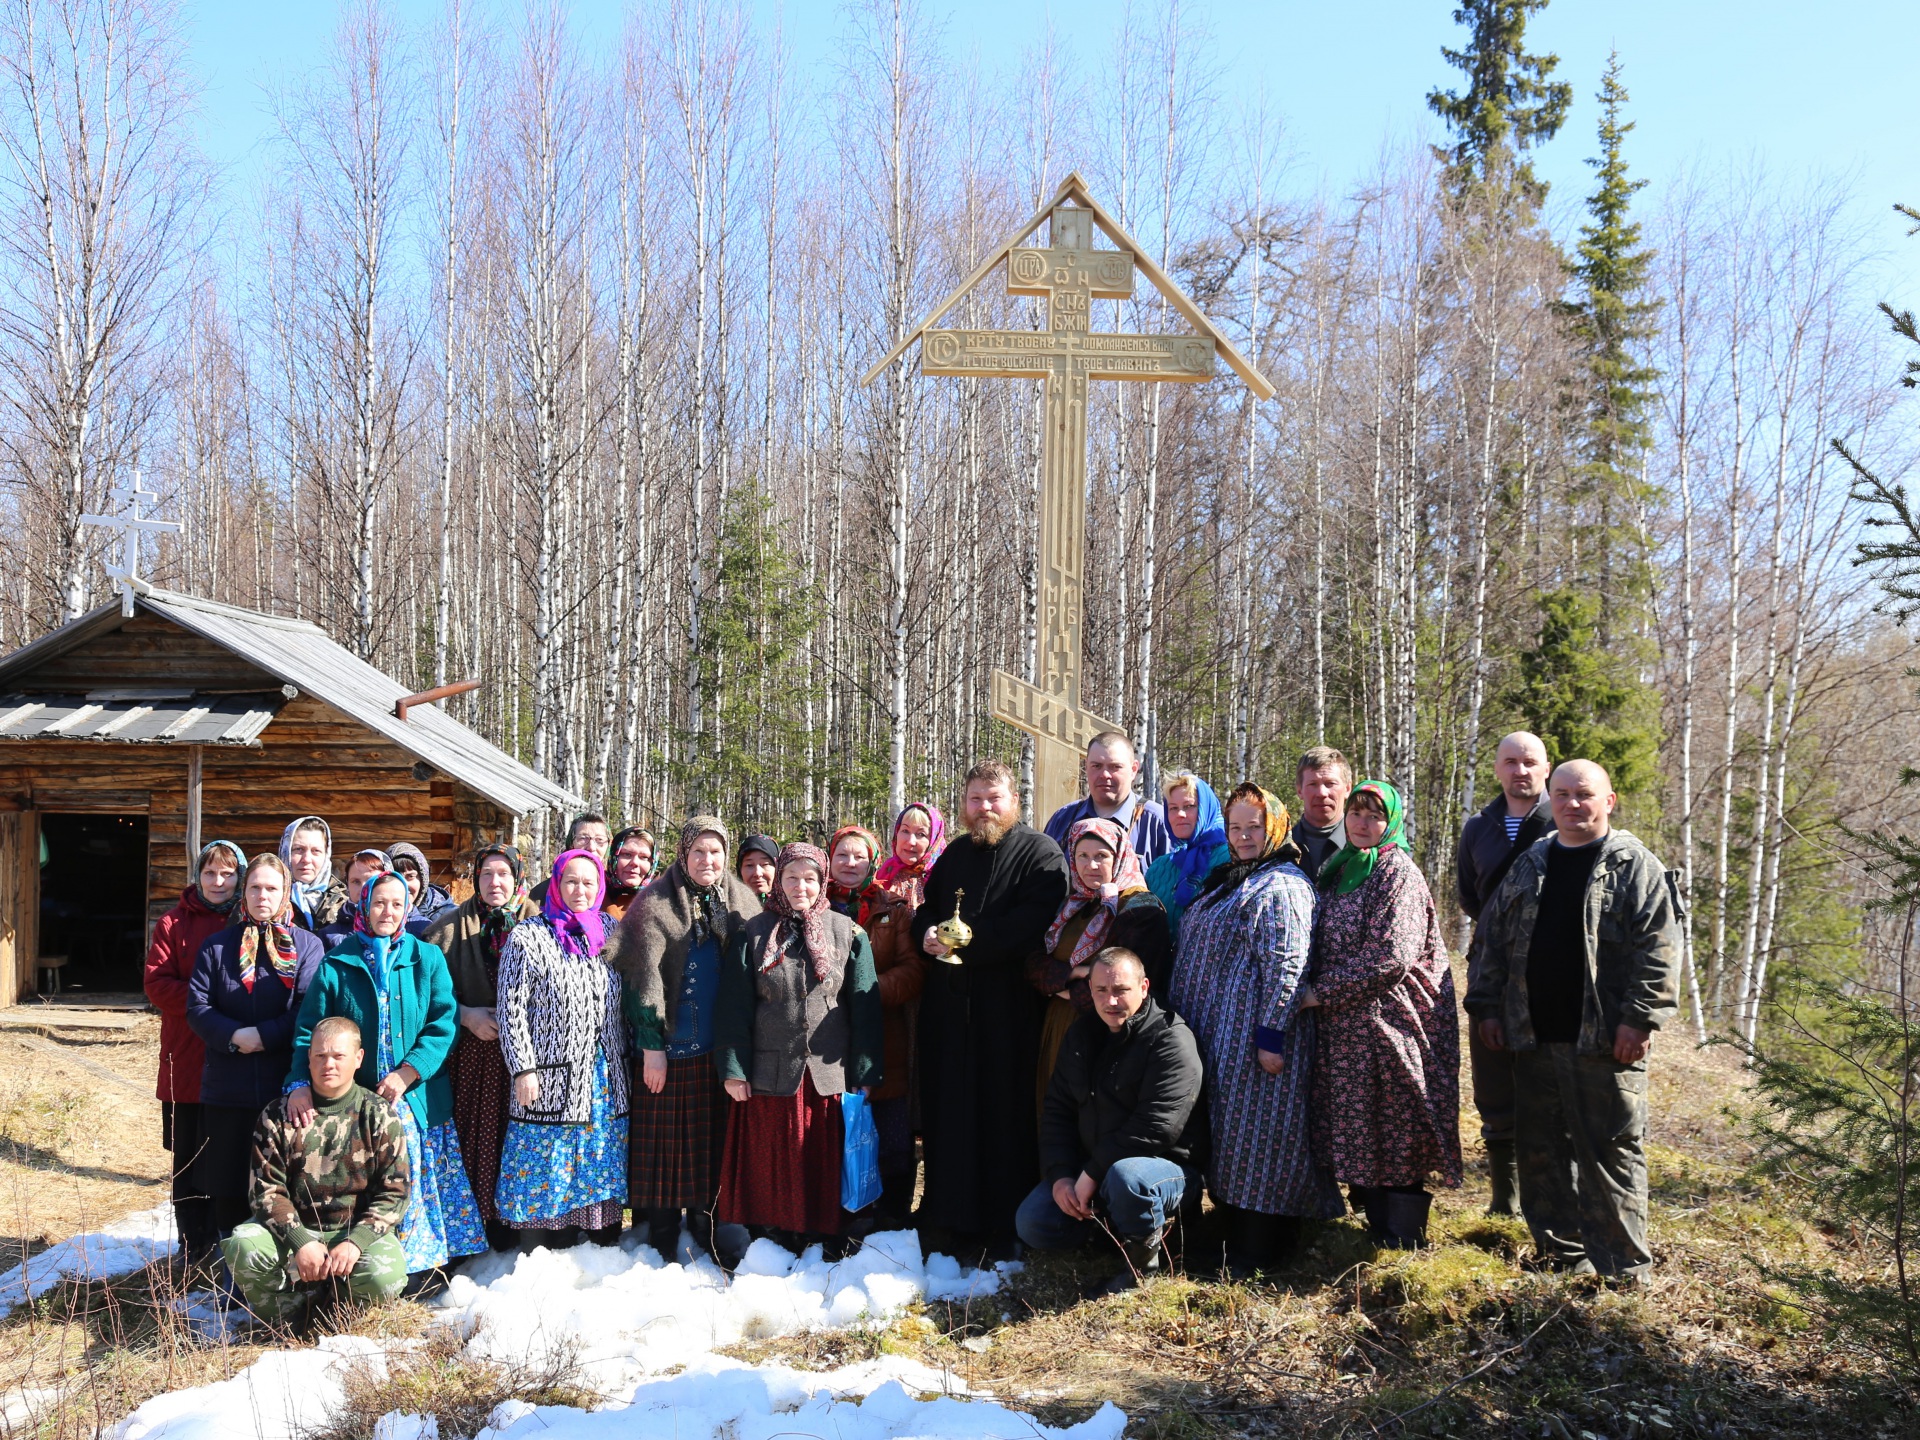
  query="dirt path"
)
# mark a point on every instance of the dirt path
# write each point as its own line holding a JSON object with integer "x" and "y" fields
{"x": 79, "y": 1135}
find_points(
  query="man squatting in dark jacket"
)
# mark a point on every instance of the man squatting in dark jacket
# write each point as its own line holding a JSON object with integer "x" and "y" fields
{"x": 1574, "y": 966}
{"x": 1119, "y": 1127}
{"x": 1489, "y": 844}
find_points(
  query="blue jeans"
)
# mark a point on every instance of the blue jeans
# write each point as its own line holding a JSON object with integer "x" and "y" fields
{"x": 1140, "y": 1195}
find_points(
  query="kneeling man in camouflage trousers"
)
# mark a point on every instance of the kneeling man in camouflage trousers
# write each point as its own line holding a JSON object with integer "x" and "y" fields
{"x": 1575, "y": 961}
{"x": 326, "y": 1195}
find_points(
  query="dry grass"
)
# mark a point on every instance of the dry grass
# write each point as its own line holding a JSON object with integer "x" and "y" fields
{"x": 76, "y": 1150}
{"x": 438, "y": 1378}
{"x": 1456, "y": 1340}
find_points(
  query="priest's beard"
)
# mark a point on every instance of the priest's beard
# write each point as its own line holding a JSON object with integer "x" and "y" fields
{"x": 988, "y": 830}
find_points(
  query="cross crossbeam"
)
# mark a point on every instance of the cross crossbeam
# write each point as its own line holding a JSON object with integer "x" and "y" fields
{"x": 1070, "y": 272}
{"x": 130, "y": 526}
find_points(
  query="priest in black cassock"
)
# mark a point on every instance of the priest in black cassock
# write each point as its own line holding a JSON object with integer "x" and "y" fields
{"x": 980, "y": 1019}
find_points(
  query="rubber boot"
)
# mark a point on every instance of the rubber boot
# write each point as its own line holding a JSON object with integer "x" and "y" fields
{"x": 895, "y": 1210}
{"x": 1503, "y": 1170}
{"x": 1371, "y": 1201}
{"x": 425, "y": 1284}
{"x": 700, "y": 1228}
{"x": 606, "y": 1235}
{"x": 1143, "y": 1264}
{"x": 501, "y": 1236}
{"x": 1407, "y": 1219}
{"x": 199, "y": 1248}
{"x": 1251, "y": 1244}
{"x": 663, "y": 1232}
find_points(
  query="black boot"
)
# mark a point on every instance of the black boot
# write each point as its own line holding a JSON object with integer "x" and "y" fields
{"x": 425, "y": 1284}
{"x": 199, "y": 1231}
{"x": 1407, "y": 1219}
{"x": 700, "y": 1228}
{"x": 606, "y": 1235}
{"x": 895, "y": 1210}
{"x": 663, "y": 1232}
{"x": 501, "y": 1236}
{"x": 1503, "y": 1170}
{"x": 1371, "y": 1201}
{"x": 1143, "y": 1263}
{"x": 1252, "y": 1245}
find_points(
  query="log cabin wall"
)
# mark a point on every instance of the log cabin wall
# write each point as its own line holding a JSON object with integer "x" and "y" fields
{"x": 311, "y": 759}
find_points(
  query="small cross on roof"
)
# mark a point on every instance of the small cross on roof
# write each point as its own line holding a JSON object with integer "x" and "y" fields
{"x": 130, "y": 498}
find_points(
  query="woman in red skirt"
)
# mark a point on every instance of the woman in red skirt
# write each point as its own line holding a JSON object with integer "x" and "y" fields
{"x": 798, "y": 1023}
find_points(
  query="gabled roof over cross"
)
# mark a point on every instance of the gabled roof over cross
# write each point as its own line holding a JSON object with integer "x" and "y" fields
{"x": 1074, "y": 189}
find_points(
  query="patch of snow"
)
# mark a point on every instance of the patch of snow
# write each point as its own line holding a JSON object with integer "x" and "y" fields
{"x": 627, "y": 1314}
{"x": 124, "y": 1246}
{"x": 725, "y": 1400}
{"x": 629, "y": 1317}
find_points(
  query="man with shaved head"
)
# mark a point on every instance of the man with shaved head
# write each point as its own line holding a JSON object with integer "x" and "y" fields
{"x": 1489, "y": 844}
{"x": 1574, "y": 965}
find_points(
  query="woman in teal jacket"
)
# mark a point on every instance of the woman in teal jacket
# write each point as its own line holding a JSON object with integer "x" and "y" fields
{"x": 397, "y": 989}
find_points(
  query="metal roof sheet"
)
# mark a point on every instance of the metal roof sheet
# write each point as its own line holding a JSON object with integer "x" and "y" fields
{"x": 180, "y": 718}
{"x": 301, "y": 654}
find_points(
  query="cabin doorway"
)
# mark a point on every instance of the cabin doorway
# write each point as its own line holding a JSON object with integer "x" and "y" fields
{"x": 93, "y": 903}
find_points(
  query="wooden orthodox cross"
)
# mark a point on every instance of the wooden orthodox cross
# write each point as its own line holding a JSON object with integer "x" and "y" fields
{"x": 131, "y": 527}
{"x": 1071, "y": 272}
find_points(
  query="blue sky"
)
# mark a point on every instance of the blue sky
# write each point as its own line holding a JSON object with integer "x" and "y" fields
{"x": 1797, "y": 86}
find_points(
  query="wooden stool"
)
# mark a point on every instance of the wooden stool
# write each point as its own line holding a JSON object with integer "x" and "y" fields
{"x": 50, "y": 968}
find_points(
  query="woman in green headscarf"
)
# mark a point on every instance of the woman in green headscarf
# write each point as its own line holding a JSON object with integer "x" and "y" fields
{"x": 1386, "y": 1081}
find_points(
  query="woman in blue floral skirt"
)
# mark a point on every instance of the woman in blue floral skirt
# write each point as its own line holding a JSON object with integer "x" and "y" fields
{"x": 564, "y": 1168}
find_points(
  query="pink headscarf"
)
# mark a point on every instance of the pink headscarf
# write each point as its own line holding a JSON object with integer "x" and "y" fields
{"x": 895, "y": 872}
{"x": 580, "y": 932}
{"x": 1127, "y": 880}
{"x": 811, "y": 922}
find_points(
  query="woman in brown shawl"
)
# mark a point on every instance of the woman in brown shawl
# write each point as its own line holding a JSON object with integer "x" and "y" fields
{"x": 472, "y": 937}
{"x": 668, "y": 954}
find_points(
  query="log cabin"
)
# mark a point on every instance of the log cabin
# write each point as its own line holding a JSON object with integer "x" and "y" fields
{"x": 126, "y": 740}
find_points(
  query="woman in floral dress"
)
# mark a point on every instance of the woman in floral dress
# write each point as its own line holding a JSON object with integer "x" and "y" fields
{"x": 1236, "y": 982}
{"x": 1386, "y": 1084}
{"x": 563, "y": 1170}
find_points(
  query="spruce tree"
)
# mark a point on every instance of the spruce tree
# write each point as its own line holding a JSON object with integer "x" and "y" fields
{"x": 1585, "y": 699}
{"x": 1839, "y": 1063}
{"x": 1508, "y": 106}
{"x": 1612, "y": 320}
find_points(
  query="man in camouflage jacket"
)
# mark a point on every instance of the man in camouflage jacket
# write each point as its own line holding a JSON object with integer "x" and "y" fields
{"x": 328, "y": 1195}
{"x": 1574, "y": 965}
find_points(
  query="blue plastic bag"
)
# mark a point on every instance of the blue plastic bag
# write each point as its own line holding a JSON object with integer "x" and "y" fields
{"x": 860, "y": 1167}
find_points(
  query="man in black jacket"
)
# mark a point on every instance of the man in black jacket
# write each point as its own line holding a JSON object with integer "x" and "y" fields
{"x": 1489, "y": 844}
{"x": 1119, "y": 1128}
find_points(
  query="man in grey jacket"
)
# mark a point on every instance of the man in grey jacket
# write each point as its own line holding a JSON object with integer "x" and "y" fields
{"x": 1489, "y": 844}
{"x": 1574, "y": 966}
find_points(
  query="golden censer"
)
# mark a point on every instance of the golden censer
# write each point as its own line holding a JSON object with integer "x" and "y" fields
{"x": 954, "y": 933}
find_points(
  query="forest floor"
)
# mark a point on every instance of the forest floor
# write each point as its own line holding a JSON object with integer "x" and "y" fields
{"x": 1460, "y": 1339}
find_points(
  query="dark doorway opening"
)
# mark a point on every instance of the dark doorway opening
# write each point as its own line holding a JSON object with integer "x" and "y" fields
{"x": 93, "y": 900}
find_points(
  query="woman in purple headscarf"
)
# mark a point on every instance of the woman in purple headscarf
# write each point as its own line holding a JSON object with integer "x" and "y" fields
{"x": 563, "y": 1170}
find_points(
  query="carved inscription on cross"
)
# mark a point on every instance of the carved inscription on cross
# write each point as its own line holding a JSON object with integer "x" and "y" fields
{"x": 1071, "y": 273}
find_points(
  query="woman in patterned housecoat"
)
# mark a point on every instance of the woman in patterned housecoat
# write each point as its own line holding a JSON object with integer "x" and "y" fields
{"x": 1236, "y": 981}
{"x": 563, "y": 1170}
{"x": 1386, "y": 1084}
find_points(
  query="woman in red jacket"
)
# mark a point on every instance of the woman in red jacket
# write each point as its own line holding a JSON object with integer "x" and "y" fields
{"x": 205, "y": 909}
